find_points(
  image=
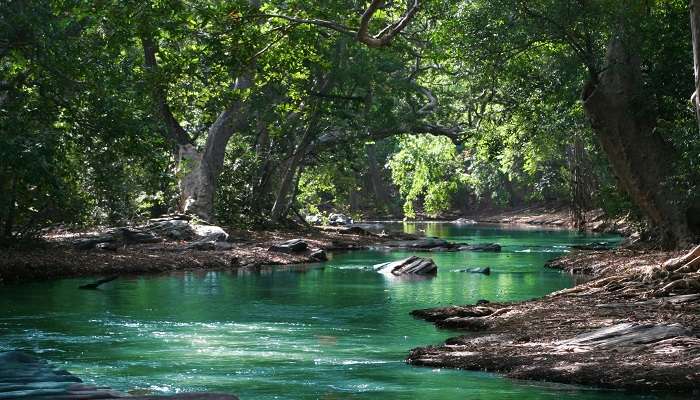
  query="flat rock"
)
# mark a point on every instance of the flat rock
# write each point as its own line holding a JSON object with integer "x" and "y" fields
{"x": 290, "y": 246}
{"x": 410, "y": 265}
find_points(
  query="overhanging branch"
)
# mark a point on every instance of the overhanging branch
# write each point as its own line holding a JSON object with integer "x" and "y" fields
{"x": 383, "y": 38}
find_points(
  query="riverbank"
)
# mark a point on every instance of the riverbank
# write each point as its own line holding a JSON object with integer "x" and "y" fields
{"x": 635, "y": 325}
{"x": 57, "y": 256}
{"x": 595, "y": 220}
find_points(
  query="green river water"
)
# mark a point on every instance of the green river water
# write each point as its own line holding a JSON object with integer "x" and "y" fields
{"x": 328, "y": 331}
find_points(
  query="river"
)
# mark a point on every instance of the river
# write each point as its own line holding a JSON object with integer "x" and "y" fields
{"x": 328, "y": 331}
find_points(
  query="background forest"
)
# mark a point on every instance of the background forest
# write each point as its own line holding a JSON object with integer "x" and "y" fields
{"x": 254, "y": 113}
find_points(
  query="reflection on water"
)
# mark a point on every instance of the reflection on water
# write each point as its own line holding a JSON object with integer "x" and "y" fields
{"x": 332, "y": 331}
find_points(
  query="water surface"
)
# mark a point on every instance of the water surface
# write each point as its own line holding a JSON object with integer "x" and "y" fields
{"x": 328, "y": 331}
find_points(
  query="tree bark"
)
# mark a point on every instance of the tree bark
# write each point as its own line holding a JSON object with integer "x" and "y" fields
{"x": 279, "y": 208}
{"x": 695, "y": 30}
{"x": 376, "y": 182}
{"x": 624, "y": 122}
{"x": 197, "y": 170}
{"x": 198, "y": 184}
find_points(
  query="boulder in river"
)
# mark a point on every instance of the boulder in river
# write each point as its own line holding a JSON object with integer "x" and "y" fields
{"x": 411, "y": 265}
{"x": 486, "y": 247}
{"x": 290, "y": 246}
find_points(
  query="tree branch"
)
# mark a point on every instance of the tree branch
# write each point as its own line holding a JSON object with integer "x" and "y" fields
{"x": 383, "y": 38}
{"x": 174, "y": 131}
{"x": 318, "y": 22}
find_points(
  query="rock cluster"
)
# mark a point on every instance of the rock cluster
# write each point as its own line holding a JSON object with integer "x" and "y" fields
{"x": 203, "y": 237}
{"x": 436, "y": 244}
{"x": 296, "y": 246}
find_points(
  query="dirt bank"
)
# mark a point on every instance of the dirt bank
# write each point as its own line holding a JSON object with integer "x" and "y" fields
{"x": 57, "y": 257}
{"x": 630, "y": 327}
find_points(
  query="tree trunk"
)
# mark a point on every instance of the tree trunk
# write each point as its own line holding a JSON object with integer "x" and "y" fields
{"x": 198, "y": 183}
{"x": 624, "y": 121}
{"x": 197, "y": 170}
{"x": 377, "y": 183}
{"x": 281, "y": 199}
{"x": 279, "y": 208}
{"x": 695, "y": 29}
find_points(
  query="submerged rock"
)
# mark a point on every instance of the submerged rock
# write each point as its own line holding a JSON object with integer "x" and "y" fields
{"x": 290, "y": 246}
{"x": 24, "y": 376}
{"x": 411, "y": 265}
{"x": 485, "y": 271}
{"x": 490, "y": 247}
{"x": 592, "y": 246}
{"x": 423, "y": 244}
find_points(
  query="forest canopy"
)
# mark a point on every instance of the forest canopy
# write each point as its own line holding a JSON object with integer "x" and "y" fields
{"x": 253, "y": 113}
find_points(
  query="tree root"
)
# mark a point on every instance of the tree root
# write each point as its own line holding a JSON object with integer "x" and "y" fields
{"x": 677, "y": 275}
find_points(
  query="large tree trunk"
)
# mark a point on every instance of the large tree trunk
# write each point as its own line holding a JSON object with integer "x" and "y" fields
{"x": 695, "y": 29}
{"x": 200, "y": 170}
{"x": 197, "y": 170}
{"x": 624, "y": 121}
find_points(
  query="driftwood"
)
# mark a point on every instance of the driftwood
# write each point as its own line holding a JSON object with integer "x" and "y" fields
{"x": 96, "y": 284}
{"x": 625, "y": 334}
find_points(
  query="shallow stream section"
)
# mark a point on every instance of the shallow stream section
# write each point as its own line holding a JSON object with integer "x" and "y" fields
{"x": 328, "y": 331}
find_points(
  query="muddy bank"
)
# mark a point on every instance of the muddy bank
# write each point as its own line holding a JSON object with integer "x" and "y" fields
{"x": 630, "y": 327}
{"x": 58, "y": 257}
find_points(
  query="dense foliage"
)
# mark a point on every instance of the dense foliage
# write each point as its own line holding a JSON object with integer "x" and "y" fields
{"x": 474, "y": 104}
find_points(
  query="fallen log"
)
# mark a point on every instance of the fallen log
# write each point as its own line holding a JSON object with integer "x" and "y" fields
{"x": 96, "y": 284}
